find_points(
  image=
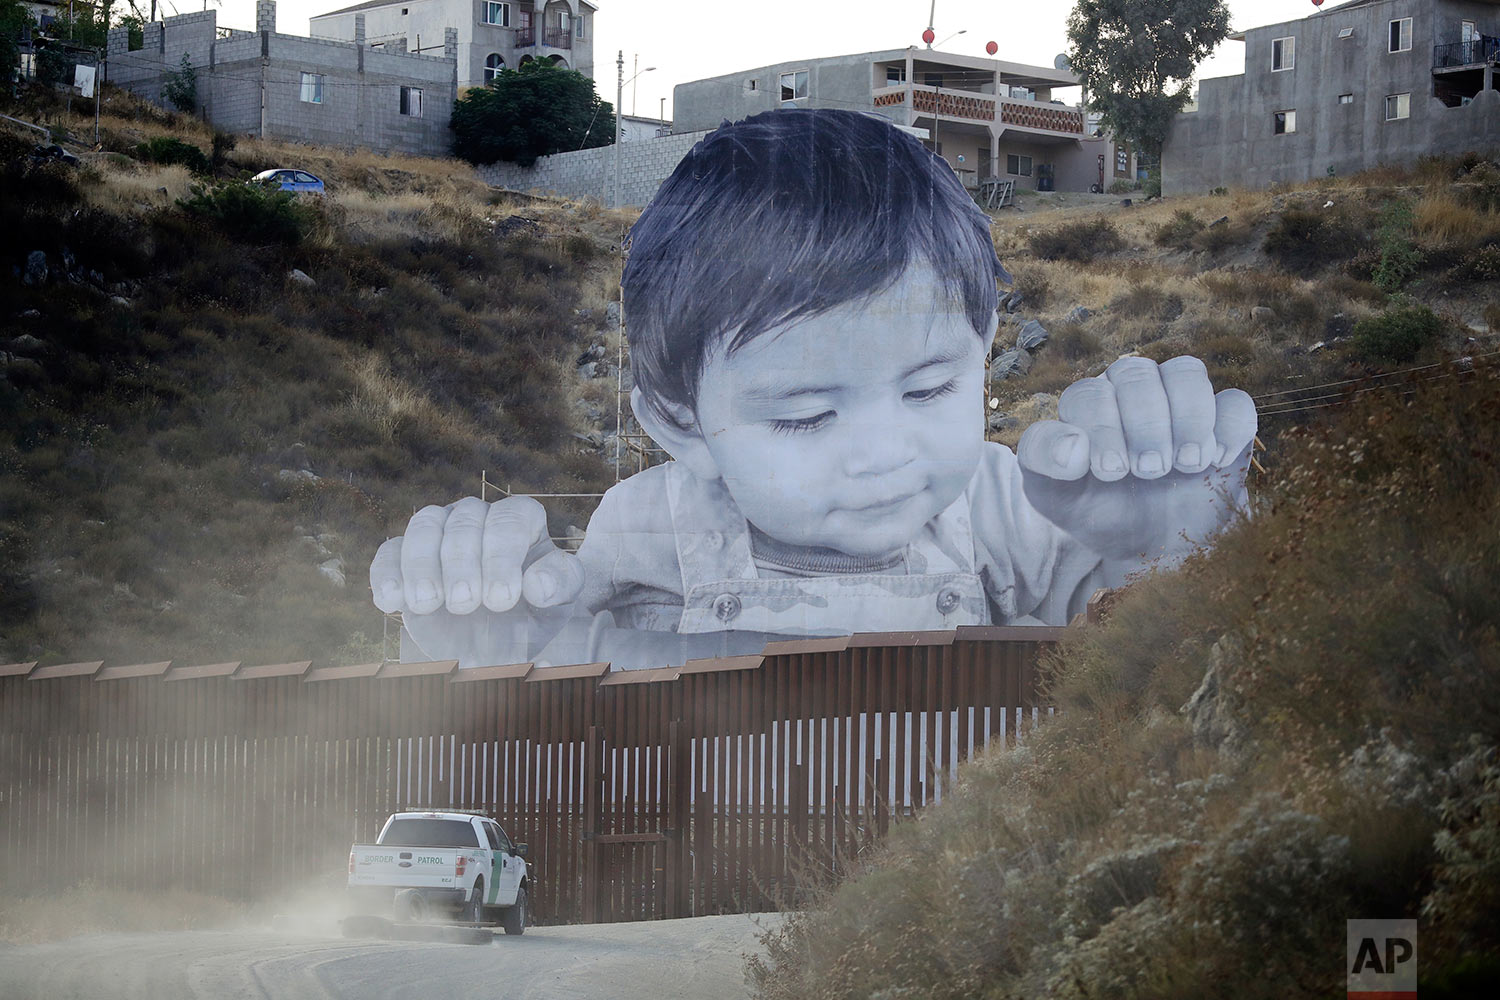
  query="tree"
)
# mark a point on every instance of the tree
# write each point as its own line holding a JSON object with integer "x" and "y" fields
{"x": 531, "y": 112}
{"x": 180, "y": 88}
{"x": 1136, "y": 58}
{"x": 14, "y": 19}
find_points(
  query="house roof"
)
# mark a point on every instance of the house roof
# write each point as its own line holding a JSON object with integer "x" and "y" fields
{"x": 372, "y": 4}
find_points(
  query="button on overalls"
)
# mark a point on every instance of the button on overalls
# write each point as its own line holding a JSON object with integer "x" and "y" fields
{"x": 935, "y": 586}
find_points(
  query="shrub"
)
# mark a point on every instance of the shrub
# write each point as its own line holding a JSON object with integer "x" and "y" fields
{"x": 180, "y": 88}
{"x": 223, "y": 145}
{"x": 1152, "y": 187}
{"x": 1396, "y": 336}
{"x": 1072, "y": 342}
{"x": 1179, "y": 232}
{"x": 168, "y": 151}
{"x": 1080, "y": 242}
{"x": 1304, "y": 241}
{"x": 1400, "y": 259}
{"x": 251, "y": 212}
{"x": 1122, "y": 186}
{"x": 1222, "y": 236}
{"x": 1031, "y": 284}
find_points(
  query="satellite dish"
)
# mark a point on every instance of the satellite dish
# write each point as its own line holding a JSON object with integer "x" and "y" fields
{"x": 1061, "y": 62}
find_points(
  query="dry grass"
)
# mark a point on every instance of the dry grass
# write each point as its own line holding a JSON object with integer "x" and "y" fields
{"x": 1443, "y": 218}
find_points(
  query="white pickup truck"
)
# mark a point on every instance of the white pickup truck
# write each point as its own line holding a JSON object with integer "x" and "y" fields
{"x": 425, "y": 863}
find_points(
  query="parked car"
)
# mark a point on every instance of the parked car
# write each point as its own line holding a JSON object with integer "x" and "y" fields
{"x": 441, "y": 863}
{"x": 290, "y": 180}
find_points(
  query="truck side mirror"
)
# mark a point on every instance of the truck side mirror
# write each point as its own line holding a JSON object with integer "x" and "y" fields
{"x": 521, "y": 850}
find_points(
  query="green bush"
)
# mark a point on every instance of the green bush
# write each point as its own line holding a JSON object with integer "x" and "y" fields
{"x": 1122, "y": 186}
{"x": 180, "y": 89}
{"x": 1080, "y": 242}
{"x": 1179, "y": 232}
{"x": 1396, "y": 336}
{"x": 1400, "y": 258}
{"x": 1152, "y": 187}
{"x": 252, "y": 213}
{"x": 167, "y": 150}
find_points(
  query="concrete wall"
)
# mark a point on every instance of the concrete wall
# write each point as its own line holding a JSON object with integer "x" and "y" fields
{"x": 589, "y": 173}
{"x": 837, "y": 82}
{"x": 251, "y": 82}
{"x": 1230, "y": 140}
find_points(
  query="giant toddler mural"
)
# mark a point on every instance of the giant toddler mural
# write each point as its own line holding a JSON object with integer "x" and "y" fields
{"x": 810, "y": 300}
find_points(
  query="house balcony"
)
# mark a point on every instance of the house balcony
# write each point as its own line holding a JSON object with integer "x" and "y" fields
{"x": 957, "y": 105}
{"x": 1457, "y": 56}
{"x": 557, "y": 38}
{"x": 525, "y": 38}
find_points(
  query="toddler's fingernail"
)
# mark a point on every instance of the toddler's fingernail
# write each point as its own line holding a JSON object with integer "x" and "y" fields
{"x": 391, "y": 592}
{"x": 1222, "y": 450}
{"x": 1065, "y": 451}
{"x": 1189, "y": 455}
{"x": 500, "y": 596}
{"x": 1151, "y": 463}
{"x": 546, "y": 585}
{"x": 426, "y": 592}
{"x": 1111, "y": 461}
{"x": 460, "y": 594}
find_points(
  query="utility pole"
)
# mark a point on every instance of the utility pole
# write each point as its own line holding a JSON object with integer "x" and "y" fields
{"x": 635, "y": 68}
{"x": 931, "y": 13}
{"x": 619, "y": 96}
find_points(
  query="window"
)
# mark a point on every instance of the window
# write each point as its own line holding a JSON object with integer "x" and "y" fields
{"x": 564, "y": 21}
{"x": 403, "y": 11}
{"x": 312, "y": 88}
{"x": 497, "y": 13}
{"x": 1397, "y": 106}
{"x": 752, "y": 85}
{"x": 932, "y": 79}
{"x": 1401, "y": 34}
{"x": 1019, "y": 165}
{"x": 1346, "y": 32}
{"x": 1346, "y": 98}
{"x": 303, "y": 177}
{"x": 1285, "y": 122}
{"x": 793, "y": 87}
{"x": 1122, "y": 162}
{"x": 493, "y": 64}
{"x": 1283, "y": 54}
{"x": 895, "y": 75}
{"x": 578, "y": 27}
{"x": 411, "y": 101}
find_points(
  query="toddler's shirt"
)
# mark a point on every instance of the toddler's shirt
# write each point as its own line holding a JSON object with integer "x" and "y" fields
{"x": 666, "y": 551}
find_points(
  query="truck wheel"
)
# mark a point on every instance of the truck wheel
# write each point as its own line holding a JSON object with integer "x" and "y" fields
{"x": 473, "y": 911}
{"x": 515, "y": 916}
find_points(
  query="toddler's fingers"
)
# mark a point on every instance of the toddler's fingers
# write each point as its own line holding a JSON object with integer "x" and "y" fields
{"x": 462, "y": 583}
{"x": 1235, "y": 424}
{"x": 1055, "y": 450}
{"x": 421, "y": 560}
{"x": 511, "y": 529}
{"x": 1145, "y": 415}
{"x": 553, "y": 580}
{"x": 385, "y": 576}
{"x": 1190, "y": 395}
{"x": 1090, "y": 404}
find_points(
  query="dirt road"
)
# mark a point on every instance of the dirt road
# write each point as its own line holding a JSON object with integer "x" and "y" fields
{"x": 689, "y": 959}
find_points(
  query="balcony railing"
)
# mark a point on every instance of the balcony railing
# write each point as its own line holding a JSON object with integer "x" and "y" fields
{"x": 525, "y": 37}
{"x": 1470, "y": 53}
{"x": 948, "y": 104}
{"x": 1027, "y": 114}
{"x": 558, "y": 38}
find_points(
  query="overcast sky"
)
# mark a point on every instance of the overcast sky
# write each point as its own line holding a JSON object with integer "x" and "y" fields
{"x": 692, "y": 39}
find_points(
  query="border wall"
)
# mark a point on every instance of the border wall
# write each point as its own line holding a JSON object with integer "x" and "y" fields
{"x": 726, "y": 785}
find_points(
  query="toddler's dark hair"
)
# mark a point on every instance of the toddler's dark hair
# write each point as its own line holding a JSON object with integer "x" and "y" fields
{"x": 784, "y": 216}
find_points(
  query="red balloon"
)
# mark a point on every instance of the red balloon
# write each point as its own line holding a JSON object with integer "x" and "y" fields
{"x": 928, "y": 35}
{"x": 1317, "y": 3}
{"x": 991, "y": 48}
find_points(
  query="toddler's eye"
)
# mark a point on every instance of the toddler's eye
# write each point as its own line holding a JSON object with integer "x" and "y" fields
{"x": 802, "y": 424}
{"x": 936, "y": 392}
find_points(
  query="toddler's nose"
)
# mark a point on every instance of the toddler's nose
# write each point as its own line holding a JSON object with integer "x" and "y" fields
{"x": 878, "y": 449}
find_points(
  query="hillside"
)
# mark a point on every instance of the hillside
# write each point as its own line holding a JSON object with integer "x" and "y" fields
{"x": 202, "y": 449}
{"x": 199, "y": 443}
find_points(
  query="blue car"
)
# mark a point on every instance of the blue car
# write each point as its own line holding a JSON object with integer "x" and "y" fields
{"x": 290, "y": 180}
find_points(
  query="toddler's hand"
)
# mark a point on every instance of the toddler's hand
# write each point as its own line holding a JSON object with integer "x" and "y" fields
{"x": 480, "y": 582}
{"x": 1145, "y": 459}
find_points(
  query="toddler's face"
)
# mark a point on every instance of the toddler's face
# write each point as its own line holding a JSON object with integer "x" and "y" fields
{"x": 852, "y": 429}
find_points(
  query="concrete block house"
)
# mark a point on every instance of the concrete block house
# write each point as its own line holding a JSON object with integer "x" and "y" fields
{"x": 986, "y": 117}
{"x": 291, "y": 87}
{"x": 492, "y": 34}
{"x": 1365, "y": 83}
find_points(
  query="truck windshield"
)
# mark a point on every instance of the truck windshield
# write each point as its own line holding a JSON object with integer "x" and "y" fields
{"x": 429, "y": 833}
